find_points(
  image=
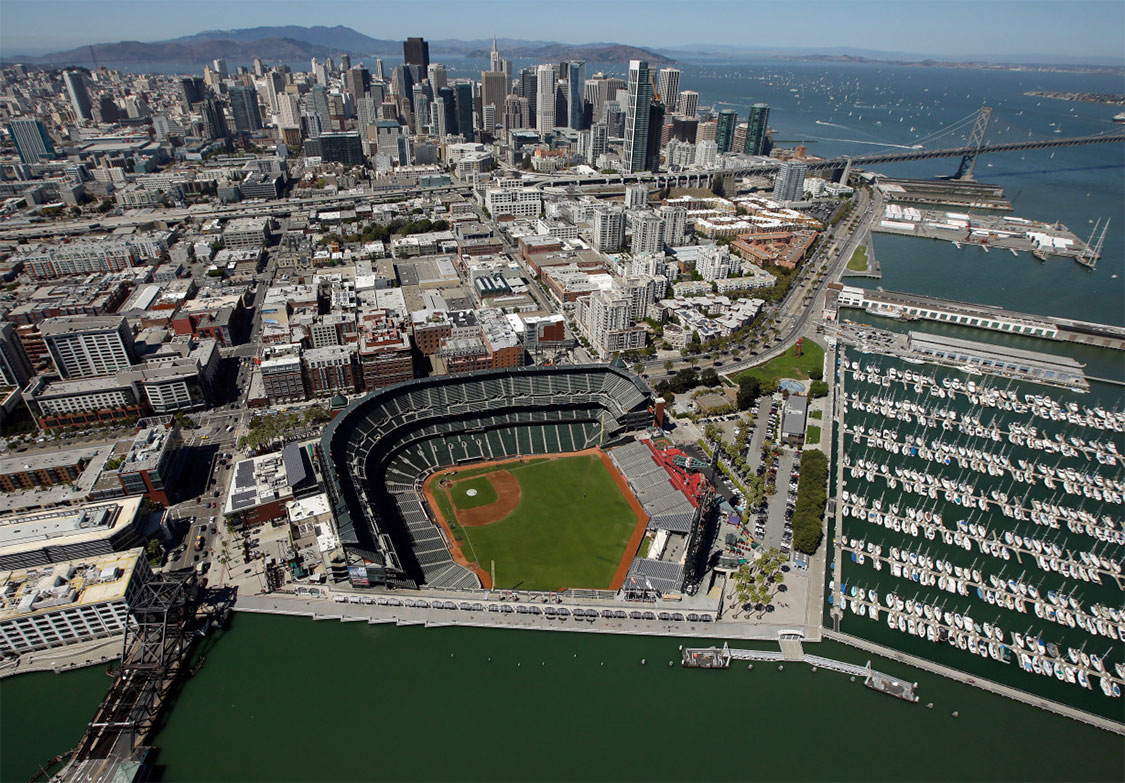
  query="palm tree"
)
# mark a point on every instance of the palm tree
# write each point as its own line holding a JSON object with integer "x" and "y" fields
{"x": 639, "y": 367}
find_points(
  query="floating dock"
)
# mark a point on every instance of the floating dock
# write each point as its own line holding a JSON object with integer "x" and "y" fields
{"x": 721, "y": 657}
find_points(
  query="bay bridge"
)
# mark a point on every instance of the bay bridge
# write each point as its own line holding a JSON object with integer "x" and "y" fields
{"x": 976, "y": 124}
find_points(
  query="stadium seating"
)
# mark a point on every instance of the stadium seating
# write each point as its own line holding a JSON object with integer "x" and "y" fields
{"x": 376, "y": 452}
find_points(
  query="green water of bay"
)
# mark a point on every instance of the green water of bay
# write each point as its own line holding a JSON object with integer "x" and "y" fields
{"x": 291, "y": 699}
{"x": 43, "y": 714}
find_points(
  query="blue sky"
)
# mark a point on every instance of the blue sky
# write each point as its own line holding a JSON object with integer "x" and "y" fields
{"x": 948, "y": 28}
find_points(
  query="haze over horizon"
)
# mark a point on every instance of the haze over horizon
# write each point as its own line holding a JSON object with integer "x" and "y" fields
{"x": 1037, "y": 30}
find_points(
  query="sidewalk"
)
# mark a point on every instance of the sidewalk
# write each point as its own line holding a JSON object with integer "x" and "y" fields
{"x": 60, "y": 659}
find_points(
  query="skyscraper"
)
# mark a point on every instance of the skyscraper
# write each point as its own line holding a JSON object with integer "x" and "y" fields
{"x": 379, "y": 74}
{"x": 214, "y": 122}
{"x": 463, "y": 99}
{"x": 575, "y": 94}
{"x": 526, "y": 88}
{"x": 493, "y": 88}
{"x": 789, "y": 185}
{"x": 724, "y": 130}
{"x": 415, "y": 51}
{"x": 757, "y": 123}
{"x": 688, "y": 104}
{"x": 359, "y": 82}
{"x": 655, "y": 131}
{"x": 31, "y": 138}
{"x": 244, "y": 106}
{"x": 447, "y": 120}
{"x": 437, "y": 77}
{"x": 513, "y": 112}
{"x": 669, "y": 87}
{"x": 193, "y": 90}
{"x": 637, "y": 117}
{"x": 219, "y": 65}
{"x": 609, "y": 228}
{"x": 79, "y": 96}
{"x": 495, "y": 61}
{"x": 599, "y": 142}
{"x": 544, "y": 99}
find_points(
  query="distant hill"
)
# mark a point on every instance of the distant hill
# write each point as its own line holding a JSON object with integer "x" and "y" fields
{"x": 338, "y": 38}
{"x": 195, "y": 51}
{"x": 556, "y": 52}
{"x": 294, "y": 42}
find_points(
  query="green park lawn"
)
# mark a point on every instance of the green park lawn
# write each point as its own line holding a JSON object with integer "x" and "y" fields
{"x": 858, "y": 261}
{"x": 569, "y": 529}
{"x": 789, "y": 364}
{"x": 813, "y": 434}
{"x": 485, "y": 492}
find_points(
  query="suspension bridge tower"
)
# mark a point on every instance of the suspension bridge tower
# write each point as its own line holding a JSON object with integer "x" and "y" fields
{"x": 976, "y": 141}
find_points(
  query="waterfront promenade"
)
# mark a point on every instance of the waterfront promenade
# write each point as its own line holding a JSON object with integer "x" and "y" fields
{"x": 61, "y": 659}
{"x": 325, "y": 609}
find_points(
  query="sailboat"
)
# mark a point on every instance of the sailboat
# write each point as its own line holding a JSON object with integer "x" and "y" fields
{"x": 1093, "y": 250}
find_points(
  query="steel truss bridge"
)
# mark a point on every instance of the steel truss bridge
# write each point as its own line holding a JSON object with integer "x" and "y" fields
{"x": 157, "y": 638}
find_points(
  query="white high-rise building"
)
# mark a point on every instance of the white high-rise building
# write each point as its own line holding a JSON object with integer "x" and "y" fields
{"x": 636, "y": 196}
{"x": 605, "y": 317}
{"x": 714, "y": 262}
{"x": 88, "y": 346}
{"x": 288, "y": 110}
{"x": 682, "y": 156}
{"x": 544, "y": 99}
{"x": 668, "y": 86}
{"x": 705, "y": 154}
{"x": 642, "y": 291}
{"x": 637, "y": 117}
{"x": 675, "y": 225}
{"x": 609, "y": 228}
{"x": 688, "y": 104}
{"x": 648, "y": 233}
{"x": 789, "y": 185}
{"x": 495, "y": 61}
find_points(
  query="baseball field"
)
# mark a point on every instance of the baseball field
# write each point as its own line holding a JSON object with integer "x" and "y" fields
{"x": 548, "y": 523}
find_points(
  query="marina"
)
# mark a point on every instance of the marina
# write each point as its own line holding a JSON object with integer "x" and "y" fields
{"x": 980, "y": 518}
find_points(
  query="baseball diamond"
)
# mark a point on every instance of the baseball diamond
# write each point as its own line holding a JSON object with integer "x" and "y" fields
{"x": 378, "y": 453}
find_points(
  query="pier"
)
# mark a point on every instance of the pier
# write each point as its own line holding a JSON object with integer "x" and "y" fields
{"x": 977, "y": 682}
{"x": 721, "y": 657}
{"x": 966, "y": 194}
{"x": 985, "y": 231}
{"x": 910, "y": 307}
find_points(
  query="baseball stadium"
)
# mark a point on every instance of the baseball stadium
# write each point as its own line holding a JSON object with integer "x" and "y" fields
{"x": 495, "y": 479}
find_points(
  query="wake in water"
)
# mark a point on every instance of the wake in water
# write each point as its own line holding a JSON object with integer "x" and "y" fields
{"x": 875, "y": 143}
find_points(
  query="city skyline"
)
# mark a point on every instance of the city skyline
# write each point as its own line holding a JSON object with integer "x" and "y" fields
{"x": 1087, "y": 31}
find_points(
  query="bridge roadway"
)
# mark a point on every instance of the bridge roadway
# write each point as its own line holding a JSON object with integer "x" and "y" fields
{"x": 702, "y": 177}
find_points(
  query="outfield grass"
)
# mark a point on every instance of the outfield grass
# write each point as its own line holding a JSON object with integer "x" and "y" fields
{"x": 569, "y": 529}
{"x": 486, "y": 493}
{"x": 789, "y": 364}
{"x": 813, "y": 434}
{"x": 858, "y": 261}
